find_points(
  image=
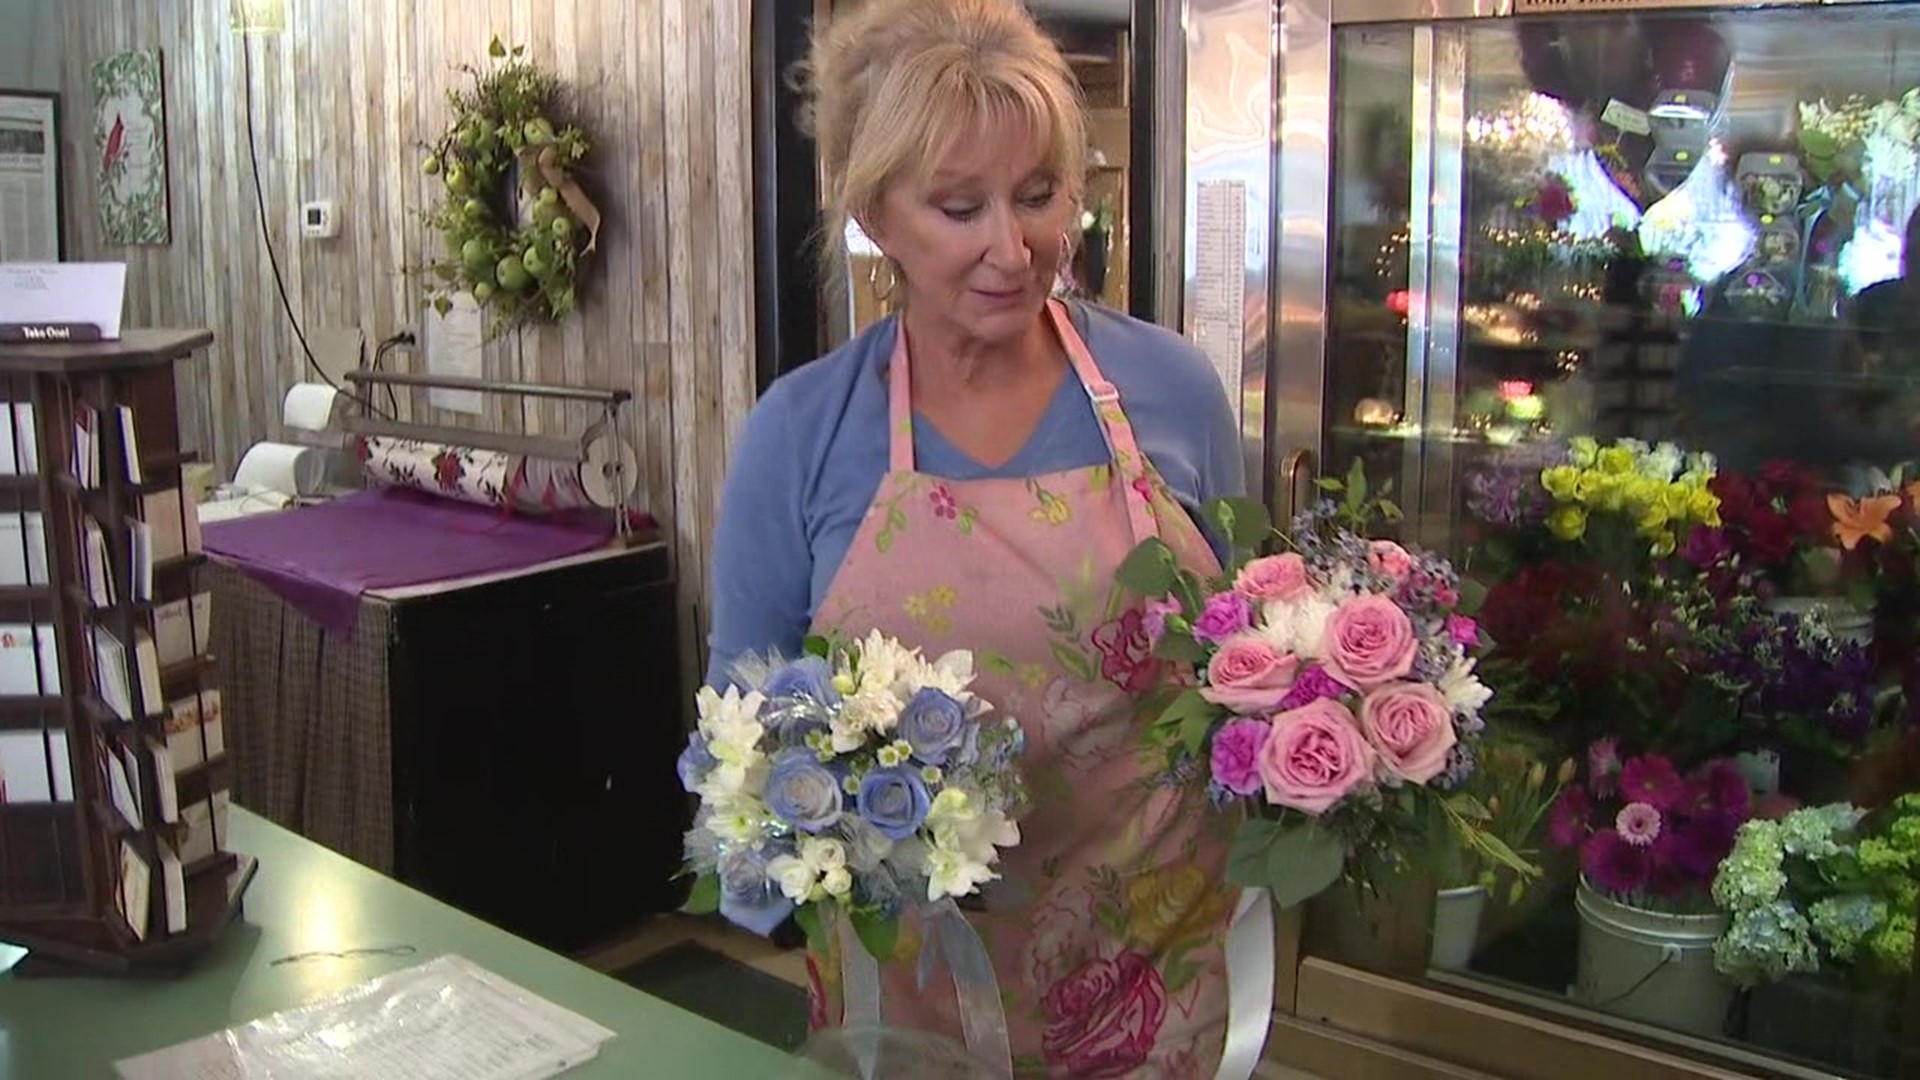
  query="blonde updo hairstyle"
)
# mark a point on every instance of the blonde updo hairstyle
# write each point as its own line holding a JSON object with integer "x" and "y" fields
{"x": 893, "y": 85}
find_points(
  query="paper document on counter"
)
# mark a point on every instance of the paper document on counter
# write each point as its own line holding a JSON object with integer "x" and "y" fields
{"x": 447, "y": 1019}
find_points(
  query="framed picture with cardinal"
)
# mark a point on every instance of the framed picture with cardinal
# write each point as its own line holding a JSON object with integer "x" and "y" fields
{"x": 130, "y": 141}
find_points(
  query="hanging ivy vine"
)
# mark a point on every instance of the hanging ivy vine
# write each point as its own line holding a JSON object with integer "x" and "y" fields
{"x": 518, "y": 230}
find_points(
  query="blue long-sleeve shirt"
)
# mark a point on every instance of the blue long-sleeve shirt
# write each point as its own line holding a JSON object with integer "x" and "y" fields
{"x": 814, "y": 450}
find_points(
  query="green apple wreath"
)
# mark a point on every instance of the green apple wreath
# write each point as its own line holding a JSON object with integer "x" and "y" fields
{"x": 517, "y": 226}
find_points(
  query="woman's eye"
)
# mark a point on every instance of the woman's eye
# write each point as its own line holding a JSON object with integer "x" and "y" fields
{"x": 1041, "y": 200}
{"x": 960, "y": 213}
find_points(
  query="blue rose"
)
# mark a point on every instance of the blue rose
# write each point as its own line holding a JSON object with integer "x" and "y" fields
{"x": 934, "y": 724}
{"x": 894, "y": 801}
{"x": 695, "y": 762}
{"x": 748, "y": 898}
{"x": 809, "y": 677}
{"x": 803, "y": 793}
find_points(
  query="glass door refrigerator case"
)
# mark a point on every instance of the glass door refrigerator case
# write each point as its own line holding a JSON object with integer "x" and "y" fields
{"x": 1619, "y": 300}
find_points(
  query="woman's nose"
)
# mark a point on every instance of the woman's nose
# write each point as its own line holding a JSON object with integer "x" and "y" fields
{"x": 1009, "y": 250}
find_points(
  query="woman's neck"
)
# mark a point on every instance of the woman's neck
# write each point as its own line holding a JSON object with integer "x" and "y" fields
{"x": 946, "y": 359}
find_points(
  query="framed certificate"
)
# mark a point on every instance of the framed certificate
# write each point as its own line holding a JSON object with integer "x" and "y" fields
{"x": 31, "y": 202}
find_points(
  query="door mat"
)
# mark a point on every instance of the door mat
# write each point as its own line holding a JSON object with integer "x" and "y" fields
{"x": 725, "y": 991}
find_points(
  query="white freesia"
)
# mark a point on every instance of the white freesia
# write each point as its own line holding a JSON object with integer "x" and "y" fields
{"x": 728, "y": 714}
{"x": 795, "y": 878}
{"x": 962, "y": 824}
{"x": 1464, "y": 691}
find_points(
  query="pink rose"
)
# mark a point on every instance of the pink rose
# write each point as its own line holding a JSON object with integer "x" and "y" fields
{"x": 1314, "y": 757}
{"x": 1389, "y": 560}
{"x": 1102, "y": 1020}
{"x": 1369, "y": 641}
{"x": 1410, "y": 726}
{"x": 1463, "y": 631}
{"x": 1248, "y": 676}
{"x": 1235, "y": 755}
{"x": 1276, "y": 577}
{"x": 1126, "y": 654}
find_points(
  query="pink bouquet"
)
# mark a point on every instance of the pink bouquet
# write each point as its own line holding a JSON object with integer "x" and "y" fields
{"x": 1335, "y": 694}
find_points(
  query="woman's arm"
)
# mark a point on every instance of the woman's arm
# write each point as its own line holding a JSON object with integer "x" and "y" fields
{"x": 762, "y": 561}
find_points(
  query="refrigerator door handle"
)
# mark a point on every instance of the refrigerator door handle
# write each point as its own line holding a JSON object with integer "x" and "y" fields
{"x": 1299, "y": 461}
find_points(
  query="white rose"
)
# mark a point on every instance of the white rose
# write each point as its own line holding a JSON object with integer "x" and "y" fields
{"x": 822, "y": 853}
{"x": 795, "y": 878}
{"x": 837, "y": 882}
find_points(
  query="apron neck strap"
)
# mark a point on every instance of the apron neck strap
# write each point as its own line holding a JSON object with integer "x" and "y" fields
{"x": 1130, "y": 465}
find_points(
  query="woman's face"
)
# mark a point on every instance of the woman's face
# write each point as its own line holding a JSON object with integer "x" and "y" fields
{"x": 981, "y": 236}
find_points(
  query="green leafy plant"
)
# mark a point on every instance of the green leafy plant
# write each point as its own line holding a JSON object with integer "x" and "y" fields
{"x": 517, "y": 227}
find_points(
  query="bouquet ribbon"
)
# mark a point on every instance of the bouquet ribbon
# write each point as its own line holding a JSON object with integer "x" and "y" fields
{"x": 1249, "y": 984}
{"x": 948, "y": 939}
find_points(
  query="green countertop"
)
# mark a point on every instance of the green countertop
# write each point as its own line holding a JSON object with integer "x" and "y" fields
{"x": 306, "y": 899}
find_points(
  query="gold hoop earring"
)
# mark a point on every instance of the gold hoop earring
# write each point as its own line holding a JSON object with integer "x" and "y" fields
{"x": 883, "y": 295}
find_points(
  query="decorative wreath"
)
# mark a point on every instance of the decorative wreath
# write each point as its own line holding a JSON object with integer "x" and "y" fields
{"x": 517, "y": 226}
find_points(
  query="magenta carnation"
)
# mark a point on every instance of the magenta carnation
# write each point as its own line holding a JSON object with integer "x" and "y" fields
{"x": 1235, "y": 755}
{"x": 1225, "y": 615}
{"x": 1312, "y": 684}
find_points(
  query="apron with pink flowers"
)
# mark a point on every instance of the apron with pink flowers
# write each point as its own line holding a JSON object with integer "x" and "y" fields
{"x": 1106, "y": 927}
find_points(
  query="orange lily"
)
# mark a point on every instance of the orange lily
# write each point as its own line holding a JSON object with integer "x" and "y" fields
{"x": 1855, "y": 520}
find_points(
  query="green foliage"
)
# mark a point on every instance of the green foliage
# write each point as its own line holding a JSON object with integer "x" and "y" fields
{"x": 510, "y": 237}
{"x": 1295, "y": 861}
{"x": 705, "y": 898}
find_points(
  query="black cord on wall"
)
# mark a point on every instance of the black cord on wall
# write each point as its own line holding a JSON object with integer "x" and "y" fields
{"x": 266, "y": 240}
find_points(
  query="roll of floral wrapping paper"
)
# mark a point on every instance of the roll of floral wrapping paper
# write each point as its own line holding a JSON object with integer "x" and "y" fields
{"x": 476, "y": 475}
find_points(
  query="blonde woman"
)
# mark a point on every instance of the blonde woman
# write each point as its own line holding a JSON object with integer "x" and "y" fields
{"x": 969, "y": 474}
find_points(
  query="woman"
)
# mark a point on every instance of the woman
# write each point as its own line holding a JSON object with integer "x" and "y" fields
{"x": 969, "y": 474}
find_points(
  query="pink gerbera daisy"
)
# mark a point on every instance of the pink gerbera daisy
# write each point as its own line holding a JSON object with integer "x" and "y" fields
{"x": 1638, "y": 824}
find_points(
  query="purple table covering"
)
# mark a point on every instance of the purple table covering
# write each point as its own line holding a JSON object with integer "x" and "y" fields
{"x": 322, "y": 558}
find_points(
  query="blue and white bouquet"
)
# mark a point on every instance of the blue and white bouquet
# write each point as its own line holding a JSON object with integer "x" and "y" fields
{"x": 861, "y": 776}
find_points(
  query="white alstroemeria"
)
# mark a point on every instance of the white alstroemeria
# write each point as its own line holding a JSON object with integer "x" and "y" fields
{"x": 951, "y": 675}
{"x": 951, "y": 873}
{"x": 795, "y": 878}
{"x": 729, "y": 715}
{"x": 1464, "y": 691}
{"x": 962, "y": 825}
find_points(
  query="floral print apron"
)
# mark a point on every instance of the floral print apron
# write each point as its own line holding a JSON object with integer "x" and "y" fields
{"x": 1107, "y": 926}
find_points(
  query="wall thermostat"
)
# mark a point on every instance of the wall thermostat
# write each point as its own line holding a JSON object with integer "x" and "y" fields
{"x": 320, "y": 220}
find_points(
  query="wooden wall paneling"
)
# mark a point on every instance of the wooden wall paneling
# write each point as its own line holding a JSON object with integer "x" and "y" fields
{"x": 342, "y": 103}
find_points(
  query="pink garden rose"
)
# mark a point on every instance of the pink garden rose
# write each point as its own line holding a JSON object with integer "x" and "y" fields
{"x": 1410, "y": 726}
{"x": 1277, "y": 577}
{"x": 1369, "y": 641}
{"x": 1248, "y": 676}
{"x": 1102, "y": 1020}
{"x": 1315, "y": 757}
{"x": 1389, "y": 560}
{"x": 1235, "y": 755}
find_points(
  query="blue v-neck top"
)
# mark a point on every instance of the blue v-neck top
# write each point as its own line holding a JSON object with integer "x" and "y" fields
{"x": 814, "y": 450}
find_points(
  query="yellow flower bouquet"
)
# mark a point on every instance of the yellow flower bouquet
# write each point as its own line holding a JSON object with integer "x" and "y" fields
{"x": 1658, "y": 493}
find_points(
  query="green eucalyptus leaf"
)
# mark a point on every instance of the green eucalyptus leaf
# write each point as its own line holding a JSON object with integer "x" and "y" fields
{"x": 705, "y": 897}
{"x": 808, "y": 916}
{"x": 1149, "y": 569}
{"x": 1292, "y": 860}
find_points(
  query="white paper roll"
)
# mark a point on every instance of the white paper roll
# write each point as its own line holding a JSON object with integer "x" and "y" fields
{"x": 309, "y": 406}
{"x": 293, "y": 470}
